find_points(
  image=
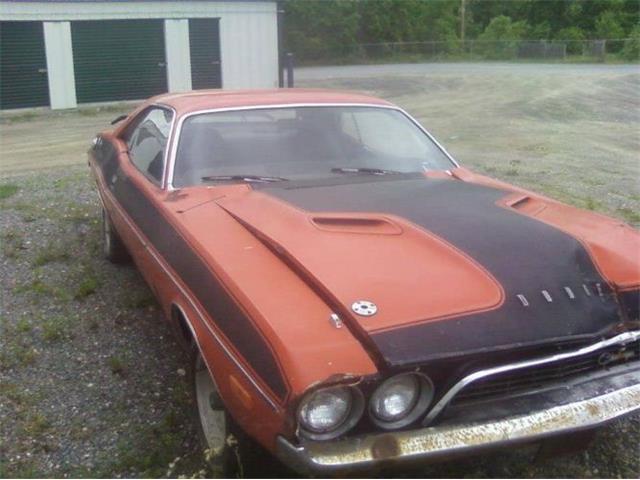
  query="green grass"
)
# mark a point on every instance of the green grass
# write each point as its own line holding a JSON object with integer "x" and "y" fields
{"x": 51, "y": 253}
{"x": 631, "y": 216}
{"x": 23, "y": 326}
{"x": 8, "y": 190}
{"x": 57, "y": 328}
{"x": 36, "y": 424}
{"x": 140, "y": 298}
{"x": 88, "y": 286}
{"x": 117, "y": 366}
{"x": 42, "y": 289}
{"x": 591, "y": 204}
{"x": 16, "y": 354}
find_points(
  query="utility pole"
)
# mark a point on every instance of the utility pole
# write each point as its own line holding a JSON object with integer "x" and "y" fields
{"x": 462, "y": 15}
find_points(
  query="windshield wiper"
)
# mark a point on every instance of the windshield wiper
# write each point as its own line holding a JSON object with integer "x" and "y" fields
{"x": 243, "y": 178}
{"x": 370, "y": 171}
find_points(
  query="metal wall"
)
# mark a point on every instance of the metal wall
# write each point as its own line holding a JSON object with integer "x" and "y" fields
{"x": 248, "y": 39}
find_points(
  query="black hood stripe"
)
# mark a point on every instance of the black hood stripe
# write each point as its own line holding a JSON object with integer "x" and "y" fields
{"x": 525, "y": 255}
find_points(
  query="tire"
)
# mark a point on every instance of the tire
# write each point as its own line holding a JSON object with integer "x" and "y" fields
{"x": 217, "y": 430}
{"x": 230, "y": 452}
{"x": 112, "y": 246}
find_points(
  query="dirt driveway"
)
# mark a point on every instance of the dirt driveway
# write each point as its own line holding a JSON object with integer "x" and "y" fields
{"x": 90, "y": 379}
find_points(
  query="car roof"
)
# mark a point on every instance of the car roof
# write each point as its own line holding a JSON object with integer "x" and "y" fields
{"x": 213, "y": 99}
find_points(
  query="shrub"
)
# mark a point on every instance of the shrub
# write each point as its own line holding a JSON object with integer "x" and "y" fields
{"x": 500, "y": 39}
{"x": 574, "y": 37}
{"x": 631, "y": 49}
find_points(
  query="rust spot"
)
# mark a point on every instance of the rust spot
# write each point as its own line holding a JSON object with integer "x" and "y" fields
{"x": 593, "y": 410}
{"x": 385, "y": 446}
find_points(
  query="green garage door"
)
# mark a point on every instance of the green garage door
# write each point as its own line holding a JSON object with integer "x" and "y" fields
{"x": 23, "y": 65}
{"x": 118, "y": 59}
{"x": 204, "y": 43}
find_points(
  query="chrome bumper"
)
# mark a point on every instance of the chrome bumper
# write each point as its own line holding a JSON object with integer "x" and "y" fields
{"x": 448, "y": 440}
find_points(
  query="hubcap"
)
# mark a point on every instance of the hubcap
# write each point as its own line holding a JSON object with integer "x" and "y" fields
{"x": 212, "y": 414}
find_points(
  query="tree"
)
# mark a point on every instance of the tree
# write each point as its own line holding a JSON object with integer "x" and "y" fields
{"x": 499, "y": 40}
{"x": 631, "y": 50}
{"x": 574, "y": 38}
{"x": 321, "y": 29}
{"x": 608, "y": 26}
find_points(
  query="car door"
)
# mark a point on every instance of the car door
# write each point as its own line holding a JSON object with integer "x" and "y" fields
{"x": 140, "y": 177}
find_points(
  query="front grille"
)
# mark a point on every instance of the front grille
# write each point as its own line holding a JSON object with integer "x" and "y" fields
{"x": 531, "y": 378}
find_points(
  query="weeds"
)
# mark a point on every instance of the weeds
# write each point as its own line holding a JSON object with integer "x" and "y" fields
{"x": 117, "y": 366}
{"x": 51, "y": 253}
{"x": 42, "y": 289}
{"x": 87, "y": 286}
{"x": 591, "y": 204}
{"x": 36, "y": 424}
{"x": 140, "y": 298}
{"x": 630, "y": 215}
{"x": 23, "y": 326}
{"x": 8, "y": 190}
{"x": 17, "y": 354}
{"x": 57, "y": 328}
{"x": 12, "y": 244}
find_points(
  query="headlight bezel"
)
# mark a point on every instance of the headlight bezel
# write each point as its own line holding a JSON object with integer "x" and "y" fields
{"x": 425, "y": 395}
{"x": 353, "y": 416}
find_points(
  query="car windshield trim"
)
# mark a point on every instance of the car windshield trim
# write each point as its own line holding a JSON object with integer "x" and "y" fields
{"x": 366, "y": 170}
{"x": 243, "y": 178}
{"x": 177, "y": 130}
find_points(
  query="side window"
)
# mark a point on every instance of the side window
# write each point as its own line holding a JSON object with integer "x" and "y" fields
{"x": 147, "y": 142}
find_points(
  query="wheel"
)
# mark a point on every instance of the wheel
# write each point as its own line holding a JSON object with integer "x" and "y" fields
{"x": 112, "y": 246}
{"x": 231, "y": 453}
{"x": 216, "y": 432}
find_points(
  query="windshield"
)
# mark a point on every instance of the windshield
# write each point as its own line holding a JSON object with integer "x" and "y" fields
{"x": 301, "y": 143}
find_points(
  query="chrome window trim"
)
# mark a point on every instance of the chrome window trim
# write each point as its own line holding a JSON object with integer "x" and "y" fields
{"x": 178, "y": 127}
{"x": 620, "y": 339}
{"x": 165, "y": 167}
{"x": 165, "y": 157}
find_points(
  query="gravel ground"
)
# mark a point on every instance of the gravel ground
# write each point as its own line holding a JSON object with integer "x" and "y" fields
{"x": 91, "y": 382}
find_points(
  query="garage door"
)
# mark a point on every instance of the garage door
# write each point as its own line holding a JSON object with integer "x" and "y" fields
{"x": 118, "y": 59}
{"x": 23, "y": 65}
{"x": 204, "y": 42}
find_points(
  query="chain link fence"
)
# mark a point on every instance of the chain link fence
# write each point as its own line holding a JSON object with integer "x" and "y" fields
{"x": 534, "y": 50}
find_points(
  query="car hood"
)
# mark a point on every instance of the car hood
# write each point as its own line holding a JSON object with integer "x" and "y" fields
{"x": 450, "y": 267}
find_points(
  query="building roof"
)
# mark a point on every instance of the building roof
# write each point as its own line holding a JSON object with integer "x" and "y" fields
{"x": 213, "y": 99}
{"x": 130, "y": 1}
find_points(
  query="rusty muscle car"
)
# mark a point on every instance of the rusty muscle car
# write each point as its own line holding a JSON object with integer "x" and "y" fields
{"x": 350, "y": 295}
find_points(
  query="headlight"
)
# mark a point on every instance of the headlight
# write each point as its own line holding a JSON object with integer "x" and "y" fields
{"x": 400, "y": 400}
{"x": 329, "y": 412}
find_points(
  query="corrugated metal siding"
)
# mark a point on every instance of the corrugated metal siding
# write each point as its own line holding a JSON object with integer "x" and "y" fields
{"x": 118, "y": 59}
{"x": 204, "y": 44}
{"x": 23, "y": 65}
{"x": 249, "y": 50}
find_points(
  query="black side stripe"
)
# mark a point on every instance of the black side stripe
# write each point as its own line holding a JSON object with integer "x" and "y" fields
{"x": 216, "y": 301}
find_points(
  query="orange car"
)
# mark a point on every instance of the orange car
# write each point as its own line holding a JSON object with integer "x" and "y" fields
{"x": 351, "y": 295}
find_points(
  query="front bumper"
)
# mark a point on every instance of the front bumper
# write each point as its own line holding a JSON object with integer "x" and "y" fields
{"x": 585, "y": 406}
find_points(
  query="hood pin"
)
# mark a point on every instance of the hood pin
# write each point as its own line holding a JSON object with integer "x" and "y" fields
{"x": 364, "y": 308}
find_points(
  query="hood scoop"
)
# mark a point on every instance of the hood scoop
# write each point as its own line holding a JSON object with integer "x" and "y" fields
{"x": 356, "y": 224}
